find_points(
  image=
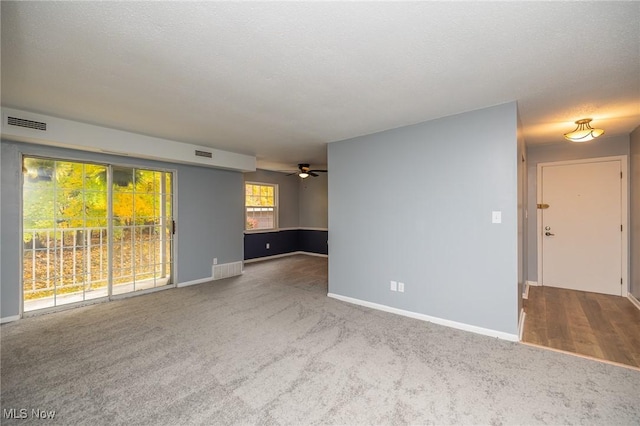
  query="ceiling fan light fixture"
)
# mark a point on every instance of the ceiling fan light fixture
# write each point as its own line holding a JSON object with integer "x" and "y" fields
{"x": 583, "y": 132}
{"x": 304, "y": 171}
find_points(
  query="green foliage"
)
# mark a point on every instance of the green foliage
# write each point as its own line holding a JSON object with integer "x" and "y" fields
{"x": 64, "y": 194}
{"x": 259, "y": 195}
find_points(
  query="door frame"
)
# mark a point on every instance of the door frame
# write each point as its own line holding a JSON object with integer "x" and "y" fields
{"x": 110, "y": 297}
{"x": 624, "y": 206}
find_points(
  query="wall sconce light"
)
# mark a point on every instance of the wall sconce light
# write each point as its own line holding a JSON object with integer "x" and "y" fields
{"x": 584, "y": 132}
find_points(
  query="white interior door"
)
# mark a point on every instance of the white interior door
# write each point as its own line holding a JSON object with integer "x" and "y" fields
{"x": 581, "y": 228}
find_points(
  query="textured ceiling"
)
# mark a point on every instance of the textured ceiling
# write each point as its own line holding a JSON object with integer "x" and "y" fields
{"x": 280, "y": 80}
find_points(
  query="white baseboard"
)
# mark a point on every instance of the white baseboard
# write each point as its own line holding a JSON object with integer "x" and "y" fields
{"x": 428, "y": 318}
{"x": 194, "y": 282}
{"x": 308, "y": 253}
{"x": 277, "y": 256}
{"x": 523, "y": 314}
{"x": 633, "y": 300}
{"x": 525, "y": 293}
{"x": 9, "y": 319}
{"x": 533, "y": 283}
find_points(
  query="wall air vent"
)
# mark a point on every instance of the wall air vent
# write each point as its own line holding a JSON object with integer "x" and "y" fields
{"x": 203, "y": 154}
{"x": 29, "y": 124}
{"x": 226, "y": 270}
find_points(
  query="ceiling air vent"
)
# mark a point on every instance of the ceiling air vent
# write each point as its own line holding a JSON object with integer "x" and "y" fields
{"x": 203, "y": 154}
{"x": 29, "y": 124}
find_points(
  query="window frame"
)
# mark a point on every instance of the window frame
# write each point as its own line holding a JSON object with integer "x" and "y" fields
{"x": 274, "y": 207}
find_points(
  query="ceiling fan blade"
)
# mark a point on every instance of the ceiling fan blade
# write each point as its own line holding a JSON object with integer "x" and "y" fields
{"x": 321, "y": 171}
{"x": 313, "y": 174}
{"x": 291, "y": 174}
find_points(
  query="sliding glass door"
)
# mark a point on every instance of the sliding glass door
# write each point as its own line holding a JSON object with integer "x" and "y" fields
{"x": 93, "y": 230}
{"x": 142, "y": 229}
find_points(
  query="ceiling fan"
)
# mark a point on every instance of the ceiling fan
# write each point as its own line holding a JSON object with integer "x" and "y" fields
{"x": 304, "y": 171}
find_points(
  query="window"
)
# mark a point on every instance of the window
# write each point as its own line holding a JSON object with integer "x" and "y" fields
{"x": 261, "y": 206}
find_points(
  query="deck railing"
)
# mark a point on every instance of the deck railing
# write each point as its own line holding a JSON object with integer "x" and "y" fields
{"x": 65, "y": 260}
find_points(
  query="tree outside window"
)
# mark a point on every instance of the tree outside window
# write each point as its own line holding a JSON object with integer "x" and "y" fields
{"x": 260, "y": 206}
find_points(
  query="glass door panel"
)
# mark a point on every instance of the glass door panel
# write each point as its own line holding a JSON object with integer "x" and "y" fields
{"x": 142, "y": 247}
{"x": 64, "y": 214}
{"x": 72, "y": 252}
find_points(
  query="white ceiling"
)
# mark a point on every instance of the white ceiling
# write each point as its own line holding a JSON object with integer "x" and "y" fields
{"x": 280, "y": 80}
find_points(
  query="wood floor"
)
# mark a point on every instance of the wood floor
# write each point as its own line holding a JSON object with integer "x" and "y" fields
{"x": 596, "y": 325}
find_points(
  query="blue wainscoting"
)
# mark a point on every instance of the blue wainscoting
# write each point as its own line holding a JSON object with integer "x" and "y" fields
{"x": 285, "y": 241}
{"x": 313, "y": 241}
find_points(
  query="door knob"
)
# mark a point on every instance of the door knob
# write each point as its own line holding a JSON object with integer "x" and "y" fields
{"x": 549, "y": 234}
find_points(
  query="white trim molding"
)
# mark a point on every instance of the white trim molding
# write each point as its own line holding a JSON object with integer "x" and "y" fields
{"x": 532, "y": 283}
{"x": 294, "y": 228}
{"x": 194, "y": 282}
{"x": 267, "y": 231}
{"x": 277, "y": 256}
{"x": 12, "y": 318}
{"x": 523, "y": 314}
{"x": 525, "y": 292}
{"x": 428, "y": 318}
{"x": 308, "y": 253}
{"x": 633, "y": 300}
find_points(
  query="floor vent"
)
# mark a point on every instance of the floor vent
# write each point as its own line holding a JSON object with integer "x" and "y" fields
{"x": 29, "y": 124}
{"x": 227, "y": 270}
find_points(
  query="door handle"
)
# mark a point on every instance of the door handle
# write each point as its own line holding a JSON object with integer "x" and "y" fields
{"x": 549, "y": 234}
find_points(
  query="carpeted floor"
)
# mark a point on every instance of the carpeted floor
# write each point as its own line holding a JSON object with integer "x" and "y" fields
{"x": 270, "y": 348}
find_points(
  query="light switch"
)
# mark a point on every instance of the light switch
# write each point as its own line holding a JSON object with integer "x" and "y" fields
{"x": 496, "y": 217}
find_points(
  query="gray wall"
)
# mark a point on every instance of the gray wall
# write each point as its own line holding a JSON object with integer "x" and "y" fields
{"x": 602, "y": 147}
{"x": 422, "y": 215}
{"x": 209, "y": 212}
{"x": 635, "y": 212}
{"x": 288, "y": 206}
{"x": 314, "y": 202}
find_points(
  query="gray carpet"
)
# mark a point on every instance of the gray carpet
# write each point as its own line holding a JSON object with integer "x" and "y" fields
{"x": 270, "y": 348}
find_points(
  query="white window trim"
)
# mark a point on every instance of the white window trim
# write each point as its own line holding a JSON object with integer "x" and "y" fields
{"x": 276, "y": 211}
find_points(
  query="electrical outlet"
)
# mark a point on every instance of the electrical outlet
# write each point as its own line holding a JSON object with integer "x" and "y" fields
{"x": 268, "y": 246}
{"x": 401, "y": 287}
{"x": 496, "y": 217}
{"x": 393, "y": 286}
{"x": 215, "y": 260}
